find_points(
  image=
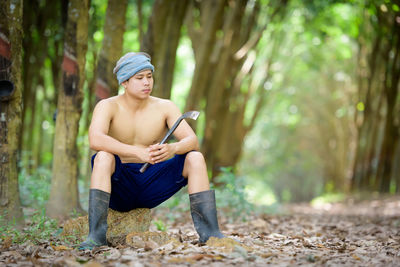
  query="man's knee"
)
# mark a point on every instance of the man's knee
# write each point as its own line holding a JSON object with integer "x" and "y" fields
{"x": 104, "y": 160}
{"x": 195, "y": 159}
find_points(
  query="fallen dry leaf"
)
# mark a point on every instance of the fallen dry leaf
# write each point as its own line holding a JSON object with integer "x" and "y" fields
{"x": 349, "y": 234}
{"x": 60, "y": 248}
{"x": 356, "y": 257}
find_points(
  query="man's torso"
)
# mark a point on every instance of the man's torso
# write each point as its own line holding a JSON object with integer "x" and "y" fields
{"x": 140, "y": 128}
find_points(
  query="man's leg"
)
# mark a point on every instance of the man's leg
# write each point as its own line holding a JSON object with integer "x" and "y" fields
{"x": 103, "y": 168}
{"x": 202, "y": 199}
{"x": 195, "y": 170}
{"x": 99, "y": 198}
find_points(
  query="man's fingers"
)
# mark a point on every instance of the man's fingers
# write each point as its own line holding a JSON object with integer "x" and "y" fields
{"x": 161, "y": 157}
{"x": 156, "y": 153}
{"x": 154, "y": 147}
{"x": 157, "y": 150}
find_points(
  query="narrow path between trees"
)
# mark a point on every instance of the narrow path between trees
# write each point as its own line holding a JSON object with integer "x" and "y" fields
{"x": 365, "y": 233}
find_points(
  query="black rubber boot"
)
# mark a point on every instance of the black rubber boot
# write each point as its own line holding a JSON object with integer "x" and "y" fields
{"x": 204, "y": 215}
{"x": 98, "y": 211}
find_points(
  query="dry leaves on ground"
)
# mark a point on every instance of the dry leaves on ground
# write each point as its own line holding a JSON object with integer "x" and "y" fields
{"x": 346, "y": 234}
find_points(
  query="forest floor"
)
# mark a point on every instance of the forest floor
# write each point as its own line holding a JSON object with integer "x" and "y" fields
{"x": 349, "y": 233}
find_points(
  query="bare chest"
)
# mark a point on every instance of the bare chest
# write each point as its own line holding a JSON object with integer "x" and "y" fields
{"x": 138, "y": 129}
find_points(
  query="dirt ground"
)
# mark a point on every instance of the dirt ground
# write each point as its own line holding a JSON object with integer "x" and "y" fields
{"x": 351, "y": 233}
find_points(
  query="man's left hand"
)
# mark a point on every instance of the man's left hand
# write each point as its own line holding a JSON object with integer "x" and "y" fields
{"x": 159, "y": 153}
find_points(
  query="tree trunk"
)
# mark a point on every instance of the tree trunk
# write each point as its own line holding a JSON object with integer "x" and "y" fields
{"x": 396, "y": 168}
{"x": 64, "y": 197}
{"x": 161, "y": 42}
{"x": 373, "y": 144}
{"x": 10, "y": 106}
{"x": 391, "y": 131}
{"x": 203, "y": 42}
{"x": 37, "y": 149}
{"x": 386, "y": 157}
{"x": 221, "y": 46}
{"x": 35, "y": 24}
{"x": 384, "y": 63}
{"x": 366, "y": 137}
{"x": 140, "y": 19}
{"x": 111, "y": 50}
{"x": 217, "y": 94}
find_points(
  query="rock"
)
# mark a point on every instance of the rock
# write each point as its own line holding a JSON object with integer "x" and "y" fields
{"x": 145, "y": 240}
{"x": 120, "y": 224}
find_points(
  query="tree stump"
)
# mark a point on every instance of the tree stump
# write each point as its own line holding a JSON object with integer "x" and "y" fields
{"x": 120, "y": 224}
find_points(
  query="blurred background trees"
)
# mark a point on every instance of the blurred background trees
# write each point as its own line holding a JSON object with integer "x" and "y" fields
{"x": 376, "y": 164}
{"x": 298, "y": 98}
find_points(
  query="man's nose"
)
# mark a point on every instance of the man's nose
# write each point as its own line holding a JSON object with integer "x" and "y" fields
{"x": 146, "y": 81}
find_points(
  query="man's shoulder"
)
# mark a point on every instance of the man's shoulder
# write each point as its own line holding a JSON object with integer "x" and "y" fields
{"x": 111, "y": 101}
{"x": 163, "y": 103}
{"x": 107, "y": 106}
{"x": 165, "y": 106}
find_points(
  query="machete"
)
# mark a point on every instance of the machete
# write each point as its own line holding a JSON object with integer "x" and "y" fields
{"x": 187, "y": 115}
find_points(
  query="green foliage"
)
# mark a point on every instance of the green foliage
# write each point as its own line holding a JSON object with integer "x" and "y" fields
{"x": 160, "y": 225}
{"x": 175, "y": 206}
{"x": 40, "y": 229}
{"x": 328, "y": 198}
{"x": 308, "y": 105}
{"x": 131, "y": 35}
{"x": 183, "y": 72}
{"x": 34, "y": 188}
{"x": 313, "y": 70}
{"x": 232, "y": 199}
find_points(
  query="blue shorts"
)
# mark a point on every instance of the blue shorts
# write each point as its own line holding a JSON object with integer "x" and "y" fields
{"x": 131, "y": 189}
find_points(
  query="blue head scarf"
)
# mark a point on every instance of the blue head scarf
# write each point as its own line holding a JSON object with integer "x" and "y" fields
{"x": 130, "y": 64}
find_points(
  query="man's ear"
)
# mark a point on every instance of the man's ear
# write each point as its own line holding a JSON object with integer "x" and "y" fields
{"x": 124, "y": 84}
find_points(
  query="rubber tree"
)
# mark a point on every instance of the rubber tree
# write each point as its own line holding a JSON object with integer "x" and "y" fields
{"x": 378, "y": 102}
{"x": 161, "y": 42}
{"x": 224, "y": 35}
{"x": 10, "y": 106}
{"x": 64, "y": 197}
{"x": 43, "y": 31}
{"x": 106, "y": 84}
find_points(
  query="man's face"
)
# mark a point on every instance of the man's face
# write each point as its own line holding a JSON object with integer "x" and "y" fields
{"x": 140, "y": 84}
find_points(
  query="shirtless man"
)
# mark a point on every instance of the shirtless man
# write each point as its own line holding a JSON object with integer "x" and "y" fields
{"x": 125, "y": 131}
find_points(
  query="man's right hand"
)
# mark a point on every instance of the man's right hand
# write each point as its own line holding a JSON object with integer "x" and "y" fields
{"x": 144, "y": 155}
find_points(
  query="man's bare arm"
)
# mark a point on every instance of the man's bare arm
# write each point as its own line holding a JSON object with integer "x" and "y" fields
{"x": 187, "y": 139}
{"x": 99, "y": 139}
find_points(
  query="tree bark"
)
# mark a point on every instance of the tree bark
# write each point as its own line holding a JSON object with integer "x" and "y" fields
{"x": 376, "y": 135}
{"x": 396, "y": 169}
{"x": 64, "y": 197}
{"x": 361, "y": 180}
{"x": 161, "y": 42}
{"x": 111, "y": 50}
{"x": 369, "y": 169}
{"x": 203, "y": 41}
{"x": 222, "y": 45}
{"x": 391, "y": 134}
{"x": 140, "y": 19}
{"x": 36, "y": 38}
{"x": 10, "y": 106}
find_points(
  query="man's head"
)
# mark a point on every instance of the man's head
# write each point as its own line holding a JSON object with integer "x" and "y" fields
{"x": 130, "y": 64}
